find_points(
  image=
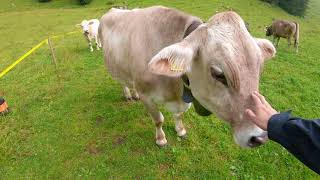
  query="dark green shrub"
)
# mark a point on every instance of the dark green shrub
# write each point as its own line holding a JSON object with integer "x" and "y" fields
{"x": 83, "y": 2}
{"x": 110, "y": 2}
{"x": 294, "y": 7}
{"x": 44, "y": 0}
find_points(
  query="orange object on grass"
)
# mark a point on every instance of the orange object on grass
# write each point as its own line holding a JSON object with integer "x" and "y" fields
{"x": 4, "y": 107}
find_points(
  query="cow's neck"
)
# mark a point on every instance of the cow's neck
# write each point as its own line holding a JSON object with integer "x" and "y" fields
{"x": 188, "y": 97}
{"x": 187, "y": 94}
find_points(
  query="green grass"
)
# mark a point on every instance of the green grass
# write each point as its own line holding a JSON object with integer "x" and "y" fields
{"x": 74, "y": 123}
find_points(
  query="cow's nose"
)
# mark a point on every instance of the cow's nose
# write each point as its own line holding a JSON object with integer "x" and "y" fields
{"x": 256, "y": 141}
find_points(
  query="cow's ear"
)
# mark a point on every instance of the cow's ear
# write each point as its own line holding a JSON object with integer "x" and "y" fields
{"x": 267, "y": 49}
{"x": 173, "y": 60}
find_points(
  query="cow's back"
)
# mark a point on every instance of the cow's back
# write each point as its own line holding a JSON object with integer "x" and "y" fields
{"x": 283, "y": 28}
{"x": 131, "y": 38}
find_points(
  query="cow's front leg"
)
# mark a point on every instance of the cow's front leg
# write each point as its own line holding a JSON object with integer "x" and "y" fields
{"x": 178, "y": 107}
{"x": 89, "y": 41}
{"x": 158, "y": 120}
{"x": 274, "y": 40}
{"x": 97, "y": 43}
{"x": 181, "y": 131}
{"x": 99, "y": 40}
{"x": 289, "y": 41}
{"x": 278, "y": 39}
{"x": 90, "y": 46}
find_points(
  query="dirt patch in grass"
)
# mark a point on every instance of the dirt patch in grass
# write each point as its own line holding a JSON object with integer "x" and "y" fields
{"x": 118, "y": 141}
{"x": 93, "y": 149}
{"x": 163, "y": 167}
{"x": 99, "y": 120}
{"x": 138, "y": 151}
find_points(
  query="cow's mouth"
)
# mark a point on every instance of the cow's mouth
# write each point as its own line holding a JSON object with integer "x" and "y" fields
{"x": 187, "y": 97}
{"x": 256, "y": 141}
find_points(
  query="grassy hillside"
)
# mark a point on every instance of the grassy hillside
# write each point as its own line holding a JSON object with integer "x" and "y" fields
{"x": 73, "y": 122}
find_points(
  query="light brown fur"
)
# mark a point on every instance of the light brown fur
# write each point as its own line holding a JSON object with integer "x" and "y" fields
{"x": 146, "y": 48}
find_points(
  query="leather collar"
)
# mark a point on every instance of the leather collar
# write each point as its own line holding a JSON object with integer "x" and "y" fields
{"x": 187, "y": 97}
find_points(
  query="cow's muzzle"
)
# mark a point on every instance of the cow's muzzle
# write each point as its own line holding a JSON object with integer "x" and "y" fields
{"x": 256, "y": 141}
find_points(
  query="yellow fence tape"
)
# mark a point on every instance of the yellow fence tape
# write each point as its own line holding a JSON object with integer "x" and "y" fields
{"x": 4, "y": 72}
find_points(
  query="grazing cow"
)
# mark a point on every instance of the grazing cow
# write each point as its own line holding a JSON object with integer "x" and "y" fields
{"x": 172, "y": 58}
{"x": 90, "y": 32}
{"x": 284, "y": 29}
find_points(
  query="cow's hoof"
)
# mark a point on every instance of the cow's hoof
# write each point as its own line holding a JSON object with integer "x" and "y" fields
{"x": 182, "y": 133}
{"x": 129, "y": 98}
{"x": 161, "y": 143}
{"x": 136, "y": 98}
{"x": 183, "y": 136}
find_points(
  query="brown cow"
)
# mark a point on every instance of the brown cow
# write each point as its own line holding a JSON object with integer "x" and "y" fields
{"x": 284, "y": 29}
{"x": 150, "y": 50}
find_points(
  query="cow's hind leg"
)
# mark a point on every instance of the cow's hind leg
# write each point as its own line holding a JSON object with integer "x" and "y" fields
{"x": 157, "y": 118}
{"x": 127, "y": 93}
{"x": 179, "y": 127}
{"x": 130, "y": 91}
{"x": 296, "y": 44}
{"x": 135, "y": 94}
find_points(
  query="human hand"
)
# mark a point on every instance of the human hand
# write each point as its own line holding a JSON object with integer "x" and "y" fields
{"x": 261, "y": 112}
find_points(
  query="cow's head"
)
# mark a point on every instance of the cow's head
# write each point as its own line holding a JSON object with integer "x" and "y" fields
{"x": 223, "y": 63}
{"x": 85, "y": 26}
{"x": 268, "y": 30}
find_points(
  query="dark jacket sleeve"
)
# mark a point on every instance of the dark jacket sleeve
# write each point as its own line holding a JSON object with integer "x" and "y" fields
{"x": 300, "y": 137}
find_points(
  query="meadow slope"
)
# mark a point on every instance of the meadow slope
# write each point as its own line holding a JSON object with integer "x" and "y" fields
{"x": 72, "y": 122}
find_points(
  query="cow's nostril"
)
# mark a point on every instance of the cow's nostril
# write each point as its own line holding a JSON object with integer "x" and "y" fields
{"x": 256, "y": 141}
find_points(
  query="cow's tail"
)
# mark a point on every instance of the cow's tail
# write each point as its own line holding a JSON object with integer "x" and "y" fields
{"x": 296, "y": 36}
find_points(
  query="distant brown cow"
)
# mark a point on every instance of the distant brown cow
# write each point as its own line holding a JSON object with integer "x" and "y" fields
{"x": 284, "y": 29}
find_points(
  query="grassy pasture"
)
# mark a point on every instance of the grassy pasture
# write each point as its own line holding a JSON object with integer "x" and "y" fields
{"x": 73, "y": 122}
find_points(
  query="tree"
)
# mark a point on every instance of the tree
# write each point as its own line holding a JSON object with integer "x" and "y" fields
{"x": 294, "y": 7}
{"x": 83, "y": 2}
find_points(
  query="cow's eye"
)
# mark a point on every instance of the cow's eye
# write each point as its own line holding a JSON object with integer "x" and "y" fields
{"x": 218, "y": 75}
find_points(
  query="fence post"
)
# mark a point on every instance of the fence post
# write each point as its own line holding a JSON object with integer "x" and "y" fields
{"x": 54, "y": 60}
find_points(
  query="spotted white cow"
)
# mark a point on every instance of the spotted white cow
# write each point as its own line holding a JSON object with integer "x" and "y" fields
{"x": 90, "y": 32}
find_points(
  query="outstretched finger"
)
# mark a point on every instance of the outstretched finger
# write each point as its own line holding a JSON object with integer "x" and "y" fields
{"x": 251, "y": 115}
{"x": 256, "y": 99}
{"x": 262, "y": 99}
